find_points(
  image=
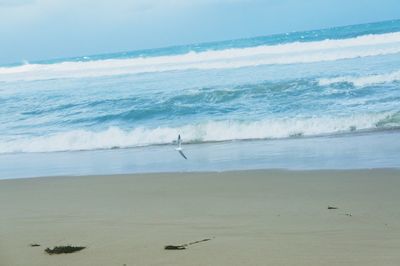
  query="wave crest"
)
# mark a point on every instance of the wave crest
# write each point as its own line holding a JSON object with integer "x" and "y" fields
{"x": 289, "y": 53}
{"x": 115, "y": 137}
{"x": 362, "y": 81}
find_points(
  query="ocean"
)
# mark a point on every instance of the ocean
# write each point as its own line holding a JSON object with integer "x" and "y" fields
{"x": 326, "y": 98}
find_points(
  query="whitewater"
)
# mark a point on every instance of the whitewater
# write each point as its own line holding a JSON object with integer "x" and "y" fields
{"x": 333, "y": 82}
{"x": 289, "y": 53}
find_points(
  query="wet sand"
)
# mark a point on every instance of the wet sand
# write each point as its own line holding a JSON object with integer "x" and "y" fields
{"x": 269, "y": 217}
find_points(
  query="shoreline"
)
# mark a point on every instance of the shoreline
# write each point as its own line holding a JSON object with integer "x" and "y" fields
{"x": 205, "y": 172}
{"x": 253, "y": 217}
{"x": 378, "y": 150}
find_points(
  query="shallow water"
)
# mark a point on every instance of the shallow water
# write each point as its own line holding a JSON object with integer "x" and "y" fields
{"x": 353, "y": 151}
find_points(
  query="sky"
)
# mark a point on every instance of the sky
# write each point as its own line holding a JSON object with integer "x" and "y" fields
{"x": 45, "y": 29}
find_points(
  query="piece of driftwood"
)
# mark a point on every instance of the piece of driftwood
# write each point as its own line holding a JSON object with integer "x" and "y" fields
{"x": 63, "y": 250}
{"x": 184, "y": 246}
{"x": 203, "y": 240}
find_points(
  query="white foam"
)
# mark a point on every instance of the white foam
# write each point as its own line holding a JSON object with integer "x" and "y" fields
{"x": 290, "y": 53}
{"x": 203, "y": 132}
{"x": 362, "y": 81}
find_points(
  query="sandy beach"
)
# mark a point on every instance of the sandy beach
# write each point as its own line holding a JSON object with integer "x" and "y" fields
{"x": 269, "y": 217}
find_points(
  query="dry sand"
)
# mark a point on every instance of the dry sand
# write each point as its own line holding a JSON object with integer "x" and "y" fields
{"x": 253, "y": 217}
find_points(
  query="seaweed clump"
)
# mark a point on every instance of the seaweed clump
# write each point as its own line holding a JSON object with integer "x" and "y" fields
{"x": 63, "y": 250}
{"x": 173, "y": 247}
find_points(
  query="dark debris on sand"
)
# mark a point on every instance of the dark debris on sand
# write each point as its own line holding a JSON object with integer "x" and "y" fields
{"x": 63, "y": 250}
{"x": 172, "y": 247}
{"x": 184, "y": 246}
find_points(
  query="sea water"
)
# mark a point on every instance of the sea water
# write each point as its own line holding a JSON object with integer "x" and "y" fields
{"x": 237, "y": 104}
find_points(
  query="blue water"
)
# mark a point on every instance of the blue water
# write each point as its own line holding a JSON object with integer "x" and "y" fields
{"x": 338, "y": 82}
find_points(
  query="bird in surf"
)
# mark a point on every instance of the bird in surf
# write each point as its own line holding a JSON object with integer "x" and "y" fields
{"x": 179, "y": 148}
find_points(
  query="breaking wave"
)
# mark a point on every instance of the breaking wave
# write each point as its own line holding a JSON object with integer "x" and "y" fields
{"x": 362, "y": 81}
{"x": 289, "y": 53}
{"x": 115, "y": 137}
